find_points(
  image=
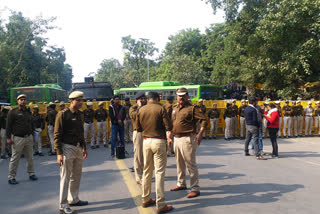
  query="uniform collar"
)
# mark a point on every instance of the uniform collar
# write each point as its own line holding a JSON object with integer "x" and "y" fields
{"x": 72, "y": 110}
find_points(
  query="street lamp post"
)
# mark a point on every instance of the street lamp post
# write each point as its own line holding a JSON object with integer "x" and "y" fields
{"x": 147, "y": 40}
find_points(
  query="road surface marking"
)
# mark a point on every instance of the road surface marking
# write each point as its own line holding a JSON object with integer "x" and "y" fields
{"x": 133, "y": 187}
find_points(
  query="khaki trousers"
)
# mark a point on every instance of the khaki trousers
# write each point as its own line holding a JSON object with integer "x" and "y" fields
{"x": 228, "y": 131}
{"x": 127, "y": 130}
{"x": 138, "y": 155}
{"x": 317, "y": 124}
{"x": 155, "y": 156}
{"x": 70, "y": 175}
{"x": 102, "y": 125}
{"x": 37, "y": 140}
{"x": 50, "y": 134}
{"x": 3, "y": 141}
{"x": 21, "y": 145}
{"x": 89, "y": 127}
{"x": 242, "y": 127}
{"x": 280, "y": 123}
{"x": 308, "y": 127}
{"x": 295, "y": 126}
{"x": 234, "y": 126}
{"x": 287, "y": 122}
{"x": 185, "y": 150}
{"x": 300, "y": 124}
{"x": 214, "y": 126}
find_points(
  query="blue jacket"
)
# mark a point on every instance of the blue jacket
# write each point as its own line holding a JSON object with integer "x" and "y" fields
{"x": 251, "y": 116}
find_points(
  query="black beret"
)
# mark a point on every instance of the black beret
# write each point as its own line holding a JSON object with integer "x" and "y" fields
{"x": 140, "y": 94}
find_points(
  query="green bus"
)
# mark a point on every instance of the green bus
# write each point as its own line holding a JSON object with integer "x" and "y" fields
{"x": 39, "y": 93}
{"x": 167, "y": 88}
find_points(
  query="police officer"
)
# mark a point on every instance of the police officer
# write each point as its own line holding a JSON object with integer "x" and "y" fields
{"x": 317, "y": 117}
{"x": 287, "y": 119}
{"x": 203, "y": 109}
{"x": 168, "y": 107}
{"x": 227, "y": 115}
{"x": 39, "y": 124}
{"x": 242, "y": 120}
{"x": 294, "y": 116}
{"x": 71, "y": 149}
{"x": 280, "y": 116}
{"x": 214, "y": 115}
{"x": 137, "y": 137}
{"x": 154, "y": 121}
{"x": 234, "y": 119}
{"x": 3, "y": 124}
{"x": 127, "y": 122}
{"x": 308, "y": 111}
{"x": 19, "y": 136}
{"x": 51, "y": 118}
{"x": 88, "y": 123}
{"x": 101, "y": 116}
{"x": 299, "y": 117}
{"x": 184, "y": 117}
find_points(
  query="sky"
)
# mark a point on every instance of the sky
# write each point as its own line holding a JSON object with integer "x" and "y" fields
{"x": 91, "y": 31}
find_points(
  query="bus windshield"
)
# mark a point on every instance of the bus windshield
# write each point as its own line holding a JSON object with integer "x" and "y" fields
{"x": 97, "y": 93}
{"x": 211, "y": 93}
{"x": 33, "y": 94}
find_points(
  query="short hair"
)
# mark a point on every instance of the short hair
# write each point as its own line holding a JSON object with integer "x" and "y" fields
{"x": 252, "y": 100}
{"x": 272, "y": 105}
{"x": 153, "y": 95}
{"x": 116, "y": 96}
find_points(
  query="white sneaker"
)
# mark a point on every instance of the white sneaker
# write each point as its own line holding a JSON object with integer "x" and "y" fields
{"x": 66, "y": 210}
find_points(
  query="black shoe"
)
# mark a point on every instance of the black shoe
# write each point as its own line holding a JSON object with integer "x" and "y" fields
{"x": 9, "y": 155}
{"x": 93, "y": 147}
{"x": 36, "y": 153}
{"x": 3, "y": 157}
{"x": 97, "y": 146}
{"x": 131, "y": 169}
{"x": 52, "y": 153}
{"x": 22, "y": 156}
{"x": 40, "y": 154}
{"x": 80, "y": 203}
{"x": 33, "y": 178}
{"x": 13, "y": 181}
{"x": 246, "y": 154}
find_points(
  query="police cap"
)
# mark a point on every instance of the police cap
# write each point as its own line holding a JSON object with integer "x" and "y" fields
{"x": 181, "y": 91}
{"x": 61, "y": 103}
{"x": 21, "y": 96}
{"x": 126, "y": 99}
{"x": 76, "y": 94}
{"x": 89, "y": 104}
{"x": 139, "y": 95}
{"x": 100, "y": 103}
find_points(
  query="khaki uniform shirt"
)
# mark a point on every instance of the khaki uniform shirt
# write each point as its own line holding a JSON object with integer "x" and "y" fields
{"x": 287, "y": 111}
{"x": 19, "y": 122}
{"x": 126, "y": 110}
{"x": 153, "y": 121}
{"x": 234, "y": 110}
{"x": 184, "y": 118}
{"x": 241, "y": 110}
{"x": 88, "y": 115}
{"x": 51, "y": 117}
{"x": 133, "y": 115}
{"x": 213, "y": 113}
{"x": 227, "y": 112}
{"x": 38, "y": 121}
{"x": 68, "y": 129}
{"x": 169, "y": 108}
{"x": 101, "y": 115}
{"x": 299, "y": 110}
{"x": 308, "y": 111}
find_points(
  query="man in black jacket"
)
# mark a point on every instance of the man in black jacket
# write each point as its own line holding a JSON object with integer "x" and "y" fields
{"x": 117, "y": 116}
{"x": 252, "y": 128}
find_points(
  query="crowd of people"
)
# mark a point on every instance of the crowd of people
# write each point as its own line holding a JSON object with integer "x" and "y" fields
{"x": 152, "y": 127}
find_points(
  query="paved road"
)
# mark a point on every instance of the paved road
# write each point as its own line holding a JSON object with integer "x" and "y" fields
{"x": 230, "y": 182}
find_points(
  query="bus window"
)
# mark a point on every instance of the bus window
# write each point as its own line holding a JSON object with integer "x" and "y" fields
{"x": 211, "y": 93}
{"x": 33, "y": 94}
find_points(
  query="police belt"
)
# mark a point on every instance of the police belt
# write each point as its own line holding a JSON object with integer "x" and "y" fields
{"x": 161, "y": 138}
{"x": 183, "y": 135}
{"x": 18, "y": 135}
{"x": 308, "y": 115}
{"x": 89, "y": 122}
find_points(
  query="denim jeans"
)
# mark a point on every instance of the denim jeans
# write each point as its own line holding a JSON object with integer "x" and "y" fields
{"x": 259, "y": 141}
{"x": 115, "y": 129}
